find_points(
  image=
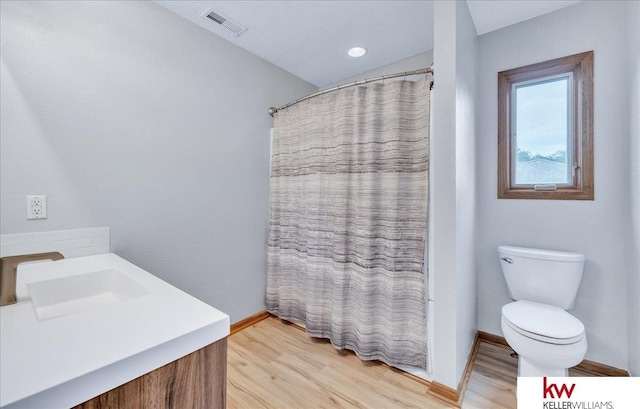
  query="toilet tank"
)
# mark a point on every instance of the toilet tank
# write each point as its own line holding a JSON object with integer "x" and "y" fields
{"x": 544, "y": 276}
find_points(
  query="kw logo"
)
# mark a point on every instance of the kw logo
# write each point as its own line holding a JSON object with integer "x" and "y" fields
{"x": 547, "y": 391}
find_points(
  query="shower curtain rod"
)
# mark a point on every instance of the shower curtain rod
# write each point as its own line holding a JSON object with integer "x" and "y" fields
{"x": 421, "y": 71}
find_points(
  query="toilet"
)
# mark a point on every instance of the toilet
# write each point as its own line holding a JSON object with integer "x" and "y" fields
{"x": 543, "y": 285}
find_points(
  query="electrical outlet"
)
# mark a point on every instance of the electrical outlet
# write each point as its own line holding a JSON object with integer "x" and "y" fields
{"x": 36, "y": 207}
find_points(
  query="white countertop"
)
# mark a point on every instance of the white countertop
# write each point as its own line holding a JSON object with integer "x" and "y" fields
{"x": 64, "y": 361}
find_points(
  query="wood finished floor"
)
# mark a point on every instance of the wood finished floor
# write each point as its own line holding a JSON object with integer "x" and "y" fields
{"x": 276, "y": 365}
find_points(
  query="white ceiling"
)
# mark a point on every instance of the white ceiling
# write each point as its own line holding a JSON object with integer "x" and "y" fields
{"x": 310, "y": 39}
{"x": 490, "y": 15}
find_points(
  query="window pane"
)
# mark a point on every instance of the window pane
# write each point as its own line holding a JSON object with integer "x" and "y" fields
{"x": 541, "y": 126}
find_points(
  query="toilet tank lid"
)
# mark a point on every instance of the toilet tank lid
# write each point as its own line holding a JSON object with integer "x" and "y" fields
{"x": 553, "y": 255}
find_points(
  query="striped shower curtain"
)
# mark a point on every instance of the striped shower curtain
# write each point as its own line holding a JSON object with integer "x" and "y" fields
{"x": 348, "y": 218}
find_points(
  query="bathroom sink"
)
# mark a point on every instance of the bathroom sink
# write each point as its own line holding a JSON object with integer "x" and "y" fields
{"x": 83, "y": 326}
{"x": 69, "y": 295}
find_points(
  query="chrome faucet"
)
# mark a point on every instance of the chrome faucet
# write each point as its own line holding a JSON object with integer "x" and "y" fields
{"x": 9, "y": 273}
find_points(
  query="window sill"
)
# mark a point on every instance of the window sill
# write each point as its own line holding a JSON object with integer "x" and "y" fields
{"x": 562, "y": 193}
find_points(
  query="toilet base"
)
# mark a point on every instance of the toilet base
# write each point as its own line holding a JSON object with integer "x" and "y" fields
{"x": 527, "y": 369}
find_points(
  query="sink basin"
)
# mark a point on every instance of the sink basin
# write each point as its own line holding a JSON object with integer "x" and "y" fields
{"x": 78, "y": 293}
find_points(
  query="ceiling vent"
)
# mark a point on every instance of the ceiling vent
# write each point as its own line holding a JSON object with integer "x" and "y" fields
{"x": 231, "y": 26}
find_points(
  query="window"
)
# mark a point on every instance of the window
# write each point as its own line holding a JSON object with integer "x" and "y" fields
{"x": 545, "y": 130}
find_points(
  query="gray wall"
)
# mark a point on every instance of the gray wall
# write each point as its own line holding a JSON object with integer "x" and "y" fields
{"x": 128, "y": 116}
{"x": 633, "y": 70}
{"x": 596, "y": 228}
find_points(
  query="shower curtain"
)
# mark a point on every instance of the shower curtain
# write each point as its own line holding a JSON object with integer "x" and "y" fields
{"x": 348, "y": 214}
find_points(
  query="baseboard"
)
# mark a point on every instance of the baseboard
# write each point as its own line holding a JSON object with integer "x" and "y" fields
{"x": 452, "y": 396}
{"x": 493, "y": 339}
{"x": 411, "y": 376}
{"x": 295, "y": 325}
{"x": 462, "y": 388}
{"x": 596, "y": 368}
{"x": 444, "y": 393}
{"x": 591, "y": 367}
{"x": 247, "y": 322}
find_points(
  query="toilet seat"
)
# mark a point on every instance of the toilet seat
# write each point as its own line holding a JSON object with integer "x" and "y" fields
{"x": 542, "y": 322}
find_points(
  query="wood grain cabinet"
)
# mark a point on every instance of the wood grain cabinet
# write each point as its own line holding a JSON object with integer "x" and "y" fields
{"x": 195, "y": 381}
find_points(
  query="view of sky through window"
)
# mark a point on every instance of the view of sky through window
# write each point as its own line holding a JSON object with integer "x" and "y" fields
{"x": 541, "y": 120}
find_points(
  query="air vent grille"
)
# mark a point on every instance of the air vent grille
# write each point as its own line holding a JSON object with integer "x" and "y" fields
{"x": 216, "y": 17}
{"x": 231, "y": 26}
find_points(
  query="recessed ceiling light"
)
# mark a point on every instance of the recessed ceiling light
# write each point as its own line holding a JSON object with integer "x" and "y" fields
{"x": 357, "y": 51}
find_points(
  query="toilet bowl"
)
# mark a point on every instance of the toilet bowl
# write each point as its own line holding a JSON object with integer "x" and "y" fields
{"x": 544, "y": 284}
{"x": 548, "y": 339}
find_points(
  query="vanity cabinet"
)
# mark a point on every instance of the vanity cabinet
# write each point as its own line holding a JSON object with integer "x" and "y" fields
{"x": 195, "y": 381}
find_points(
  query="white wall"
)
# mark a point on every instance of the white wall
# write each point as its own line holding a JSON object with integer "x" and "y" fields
{"x": 633, "y": 71}
{"x": 443, "y": 195}
{"x": 126, "y": 115}
{"x": 453, "y": 191}
{"x": 422, "y": 60}
{"x": 466, "y": 169}
{"x": 596, "y": 228}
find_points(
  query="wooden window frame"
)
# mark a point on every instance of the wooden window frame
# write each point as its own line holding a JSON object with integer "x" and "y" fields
{"x": 582, "y": 187}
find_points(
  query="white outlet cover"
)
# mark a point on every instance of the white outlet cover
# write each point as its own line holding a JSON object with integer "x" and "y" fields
{"x": 36, "y": 207}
